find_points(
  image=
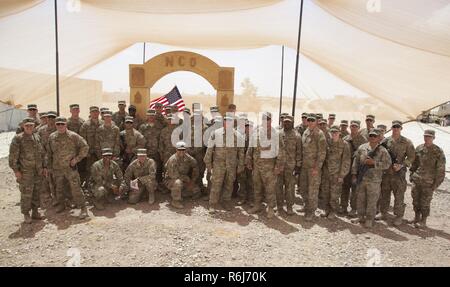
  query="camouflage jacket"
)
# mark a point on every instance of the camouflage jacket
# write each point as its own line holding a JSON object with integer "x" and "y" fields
{"x": 44, "y": 133}
{"x": 365, "y": 132}
{"x": 355, "y": 142}
{"x": 26, "y": 153}
{"x": 37, "y": 124}
{"x": 339, "y": 158}
{"x": 62, "y": 148}
{"x": 221, "y": 156}
{"x": 293, "y": 148}
{"x": 107, "y": 137}
{"x": 145, "y": 172}
{"x": 102, "y": 176}
{"x": 381, "y": 158}
{"x": 88, "y": 131}
{"x": 119, "y": 119}
{"x": 301, "y": 129}
{"x": 344, "y": 134}
{"x": 314, "y": 148}
{"x": 429, "y": 165}
{"x": 402, "y": 150}
{"x": 263, "y": 149}
{"x": 75, "y": 124}
{"x": 165, "y": 141}
{"x": 183, "y": 168}
{"x": 151, "y": 134}
{"x": 131, "y": 140}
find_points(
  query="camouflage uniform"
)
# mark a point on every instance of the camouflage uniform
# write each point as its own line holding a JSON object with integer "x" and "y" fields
{"x": 152, "y": 133}
{"x": 37, "y": 124}
{"x": 104, "y": 179}
{"x": 264, "y": 157}
{"x": 198, "y": 152}
{"x": 145, "y": 173}
{"x": 348, "y": 190}
{"x": 403, "y": 150}
{"x": 369, "y": 188}
{"x": 245, "y": 180}
{"x": 286, "y": 181}
{"x": 107, "y": 137}
{"x": 427, "y": 173}
{"x": 337, "y": 165}
{"x": 61, "y": 149}
{"x": 130, "y": 140}
{"x": 166, "y": 148}
{"x": 89, "y": 131}
{"x": 314, "y": 149}
{"x": 75, "y": 124}
{"x": 301, "y": 129}
{"x": 119, "y": 119}
{"x": 27, "y": 155}
{"x": 48, "y": 185}
{"x": 181, "y": 173}
{"x": 224, "y": 161}
{"x": 137, "y": 122}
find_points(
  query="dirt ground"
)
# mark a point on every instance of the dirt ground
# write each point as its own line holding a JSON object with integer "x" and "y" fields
{"x": 143, "y": 235}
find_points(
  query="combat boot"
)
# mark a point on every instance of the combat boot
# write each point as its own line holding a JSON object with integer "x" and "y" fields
{"x": 255, "y": 209}
{"x": 270, "y": 212}
{"x": 36, "y": 215}
{"x": 213, "y": 207}
{"x": 343, "y": 211}
{"x": 98, "y": 204}
{"x": 368, "y": 223}
{"x": 27, "y": 218}
{"x": 422, "y": 223}
{"x": 83, "y": 213}
{"x": 352, "y": 213}
{"x": 227, "y": 205}
{"x": 398, "y": 221}
{"x": 60, "y": 208}
{"x": 289, "y": 210}
{"x": 151, "y": 197}
{"x": 241, "y": 201}
{"x": 381, "y": 216}
{"x": 177, "y": 204}
{"x": 331, "y": 215}
{"x": 309, "y": 216}
{"x": 324, "y": 214}
{"x": 301, "y": 209}
{"x": 359, "y": 219}
{"x": 416, "y": 218}
{"x": 196, "y": 195}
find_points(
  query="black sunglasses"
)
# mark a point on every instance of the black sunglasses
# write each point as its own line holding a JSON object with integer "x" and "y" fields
{"x": 60, "y": 124}
{"x": 311, "y": 120}
{"x": 373, "y": 136}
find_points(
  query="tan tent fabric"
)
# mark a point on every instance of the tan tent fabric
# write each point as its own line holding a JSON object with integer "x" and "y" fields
{"x": 8, "y": 7}
{"x": 400, "y": 59}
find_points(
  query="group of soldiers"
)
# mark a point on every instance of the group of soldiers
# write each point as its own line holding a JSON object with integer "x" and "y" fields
{"x": 59, "y": 161}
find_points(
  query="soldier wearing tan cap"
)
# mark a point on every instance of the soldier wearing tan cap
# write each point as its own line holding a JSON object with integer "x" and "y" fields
{"x": 74, "y": 122}
{"x": 119, "y": 116}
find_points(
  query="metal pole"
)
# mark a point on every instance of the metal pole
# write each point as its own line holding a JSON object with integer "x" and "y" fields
{"x": 143, "y": 56}
{"x": 57, "y": 58}
{"x": 281, "y": 88}
{"x": 298, "y": 57}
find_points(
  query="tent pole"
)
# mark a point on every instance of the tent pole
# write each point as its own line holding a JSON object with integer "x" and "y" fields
{"x": 143, "y": 55}
{"x": 298, "y": 57}
{"x": 281, "y": 88}
{"x": 57, "y": 58}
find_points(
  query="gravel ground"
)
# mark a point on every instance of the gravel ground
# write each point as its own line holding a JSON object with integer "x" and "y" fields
{"x": 143, "y": 235}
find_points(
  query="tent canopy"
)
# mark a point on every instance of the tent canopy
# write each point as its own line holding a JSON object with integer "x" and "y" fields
{"x": 399, "y": 55}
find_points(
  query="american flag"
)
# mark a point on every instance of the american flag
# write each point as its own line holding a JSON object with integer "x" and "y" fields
{"x": 170, "y": 99}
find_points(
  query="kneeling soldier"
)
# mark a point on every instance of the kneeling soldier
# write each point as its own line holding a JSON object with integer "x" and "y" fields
{"x": 106, "y": 178}
{"x": 139, "y": 177}
{"x": 181, "y": 173}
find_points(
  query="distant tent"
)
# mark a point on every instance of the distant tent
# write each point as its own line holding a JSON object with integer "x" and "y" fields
{"x": 10, "y": 117}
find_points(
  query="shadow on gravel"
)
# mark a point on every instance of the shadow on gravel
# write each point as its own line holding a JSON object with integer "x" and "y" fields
{"x": 423, "y": 233}
{"x": 27, "y": 230}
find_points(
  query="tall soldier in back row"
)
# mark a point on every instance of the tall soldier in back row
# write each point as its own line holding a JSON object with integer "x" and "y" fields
{"x": 130, "y": 141}
{"x": 74, "y": 122}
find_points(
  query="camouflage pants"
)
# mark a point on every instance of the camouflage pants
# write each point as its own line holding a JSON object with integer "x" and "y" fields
{"x": 104, "y": 190}
{"x": 222, "y": 179}
{"x": 395, "y": 183}
{"x": 368, "y": 194}
{"x": 199, "y": 154}
{"x": 246, "y": 185}
{"x": 348, "y": 192}
{"x": 177, "y": 186}
{"x": 264, "y": 177}
{"x": 422, "y": 195}
{"x": 286, "y": 188}
{"x": 159, "y": 165}
{"x": 85, "y": 167}
{"x": 324, "y": 189}
{"x": 29, "y": 186}
{"x": 73, "y": 179}
{"x": 134, "y": 196}
{"x": 309, "y": 185}
{"x": 47, "y": 191}
{"x": 331, "y": 192}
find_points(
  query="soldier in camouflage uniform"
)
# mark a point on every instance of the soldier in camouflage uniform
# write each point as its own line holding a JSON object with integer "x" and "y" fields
{"x": 108, "y": 136}
{"x": 130, "y": 140}
{"x": 331, "y": 120}
{"x": 314, "y": 149}
{"x": 197, "y": 149}
{"x": 293, "y": 153}
{"x": 217, "y": 123}
{"x": 344, "y": 129}
{"x": 106, "y": 178}
{"x": 370, "y": 121}
{"x": 324, "y": 128}
{"x": 245, "y": 192}
{"x": 89, "y": 131}
{"x": 336, "y": 167}
{"x": 48, "y": 185}
{"x": 74, "y": 123}
{"x": 64, "y": 150}
{"x": 427, "y": 173}
{"x": 160, "y": 119}
{"x": 151, "y": 130}
{"x": 224, "y": 158}
{"x": 301, "y": 128}
{"x": 42, "y": 119}
{"x": 265, "y": 157}
{"x": 27, "y": 160}
{"x": 355, "y": 139}
{"x": 166, "y": 148}
{"x": 181, "y": 175}
{"x": 102, "y": 112}
{"x": 32, "y": 113}
{"x": 137, "y": 121}
{"x": 402, "y": 155}
{"x": 370, "y": 186}
{"x": 119, "y": 116}
{"x": 139, "y": 178}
